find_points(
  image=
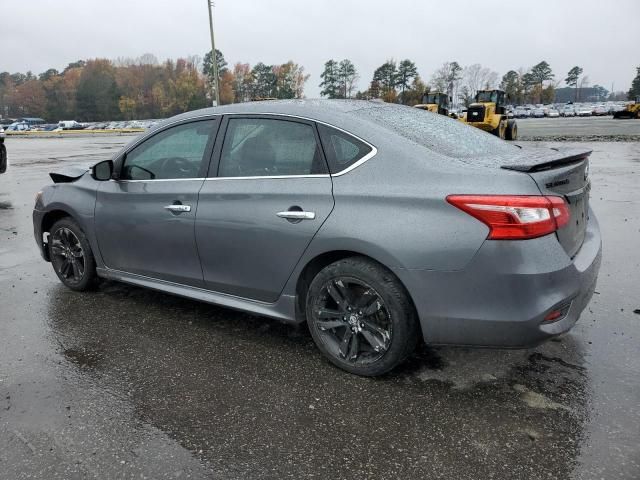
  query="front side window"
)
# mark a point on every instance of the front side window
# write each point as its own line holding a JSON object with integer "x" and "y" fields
{"x": 255, "y": 147}
{"x": 177, "y": 152}
{"x": 342, "y": 150}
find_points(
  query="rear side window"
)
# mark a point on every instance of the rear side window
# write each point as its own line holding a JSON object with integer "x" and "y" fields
{"x": 436, "y": 132}
{"x": 270, "y": 147}
{"x": 341, "y": 149}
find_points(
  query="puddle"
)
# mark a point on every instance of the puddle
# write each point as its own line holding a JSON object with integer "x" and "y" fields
{"x": 82, "y": 357}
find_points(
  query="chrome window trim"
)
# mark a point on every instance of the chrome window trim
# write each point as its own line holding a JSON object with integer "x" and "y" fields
{"x": 364, "y": 159}
{"x": 160, "y": 128}
{"x": 277, "y": 177}
{"x": 368, "y": 156}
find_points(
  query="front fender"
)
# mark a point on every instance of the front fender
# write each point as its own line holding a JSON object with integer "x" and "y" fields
{"x": 76, "y": 200}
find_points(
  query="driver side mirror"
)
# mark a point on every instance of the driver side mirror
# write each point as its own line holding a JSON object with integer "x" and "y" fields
{"x": 102, "y": 171}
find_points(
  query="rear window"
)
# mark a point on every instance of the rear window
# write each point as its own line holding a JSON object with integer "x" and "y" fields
{"x": 436, "y": 132}
{"x": 341, "y": 149}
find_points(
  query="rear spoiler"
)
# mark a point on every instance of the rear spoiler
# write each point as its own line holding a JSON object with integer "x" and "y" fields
{"x": 67, "y": 175}
{"x": 548, "y": 164}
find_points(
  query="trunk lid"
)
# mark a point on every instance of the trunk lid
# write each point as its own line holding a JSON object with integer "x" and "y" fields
{"x": 562, "y": 172}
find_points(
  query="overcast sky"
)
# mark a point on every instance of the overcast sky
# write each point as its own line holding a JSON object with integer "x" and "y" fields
{"x": 596, "y": 35}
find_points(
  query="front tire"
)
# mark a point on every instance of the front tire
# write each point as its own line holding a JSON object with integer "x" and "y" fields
{"x": 71, "y": 255}
{"x": 512, "y": 130}
{"x": 361, "y": 317}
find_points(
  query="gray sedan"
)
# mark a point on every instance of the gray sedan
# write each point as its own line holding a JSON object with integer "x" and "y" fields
{"x": 379, "y": 225}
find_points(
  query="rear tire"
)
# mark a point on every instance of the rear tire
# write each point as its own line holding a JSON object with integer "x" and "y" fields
{"x": 361, "y": 317}
{"x": 71, "y": 255}
{"x": 512, "y": 130}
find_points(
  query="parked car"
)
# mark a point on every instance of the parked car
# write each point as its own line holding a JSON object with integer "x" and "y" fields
{"x": 18, "y": 127}
{"x": 553, "y": 113}
{"x": 584, "y": 111}
{"x": 537, "y": 113}
{"x": 374, "y": 223}
{"x": 69, "y": 125}
{"x": 568, "y": 111}
{"x": 521, "y": 112}
{"x": 3, "y": 152}
{"x": 600, "y": 111}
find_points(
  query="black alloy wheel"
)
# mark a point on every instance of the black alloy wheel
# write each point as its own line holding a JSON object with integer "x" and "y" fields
{"x": 71, "y": 255}
{"x": 353, "y": 321}
{"x": 361, "y": 317}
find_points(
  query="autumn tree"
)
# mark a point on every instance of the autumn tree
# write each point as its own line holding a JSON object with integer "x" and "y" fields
{"x": 413, "y": 95}
{"x": 44, "y": 76}
{"x": 289, "y": 80}
{"x": 242, "y": 82}
{"x": 187, "y": 86}
{"x": 29, "y": 100}
{"x": 548, "y": 94}
{"x": 374, "y": 89}
{"x": 97, "y": 95}
{"x": 78, "y": 64}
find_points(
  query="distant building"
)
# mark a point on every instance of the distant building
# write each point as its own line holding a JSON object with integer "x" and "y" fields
{"x": 587, "y": 94}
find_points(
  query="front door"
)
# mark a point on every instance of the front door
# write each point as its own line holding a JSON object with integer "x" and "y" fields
{"x": 255, "y": 218}
{"x": 145, "y": 219}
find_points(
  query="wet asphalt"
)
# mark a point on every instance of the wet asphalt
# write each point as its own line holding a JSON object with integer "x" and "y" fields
{"x": 128, "y": 383}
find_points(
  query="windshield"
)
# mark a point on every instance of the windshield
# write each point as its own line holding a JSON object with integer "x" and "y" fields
{"x": 430, "y": 98}
{"x": 487, "y": 97}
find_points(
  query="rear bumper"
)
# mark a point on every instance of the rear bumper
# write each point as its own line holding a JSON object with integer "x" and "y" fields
{"x": 502, "y": 297}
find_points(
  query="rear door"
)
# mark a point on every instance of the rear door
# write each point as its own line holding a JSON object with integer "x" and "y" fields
{"x": 268, "y": 193}
{"x": 145, "y": 219}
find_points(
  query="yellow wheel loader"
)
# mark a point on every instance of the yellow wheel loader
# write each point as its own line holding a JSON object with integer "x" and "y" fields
{"x": 488, "y": 113}
{"x": 435, "y": 102}
{"x": 632, "y": 110}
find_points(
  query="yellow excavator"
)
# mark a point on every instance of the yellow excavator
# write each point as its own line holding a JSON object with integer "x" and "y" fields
{"x": 632, "y": 110}
{"x": 488, "y": 113}
{"x": 435, "y": 102}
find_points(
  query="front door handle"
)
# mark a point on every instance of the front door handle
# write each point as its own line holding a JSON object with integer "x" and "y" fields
{"x": 297, "y": 215}
{"x": 178, "y": 208}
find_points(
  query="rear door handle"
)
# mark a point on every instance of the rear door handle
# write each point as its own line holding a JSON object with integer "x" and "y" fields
{"x": 178, "y": 208}
{"x": 297, "y": 215}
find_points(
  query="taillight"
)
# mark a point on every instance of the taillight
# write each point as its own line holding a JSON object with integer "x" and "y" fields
{"x": 514, "y": 217}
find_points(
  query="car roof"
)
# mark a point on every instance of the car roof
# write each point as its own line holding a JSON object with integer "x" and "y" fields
{"x": 387, "y": 126}
{"x": 323, "y": 110}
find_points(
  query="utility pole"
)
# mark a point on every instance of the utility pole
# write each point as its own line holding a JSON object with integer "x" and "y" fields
{"x": 214, "y": 59}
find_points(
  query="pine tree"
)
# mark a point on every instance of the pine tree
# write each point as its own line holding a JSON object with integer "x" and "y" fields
{"x": 330, "y": 83}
